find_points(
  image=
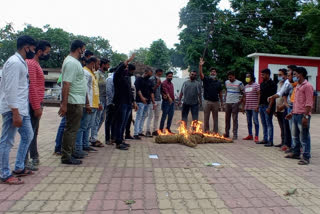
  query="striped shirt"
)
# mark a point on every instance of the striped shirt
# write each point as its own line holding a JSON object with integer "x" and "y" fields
{"x": 235, "y": 90}
{"x": 36, "y": 87}
{"x": 251, "y": 91}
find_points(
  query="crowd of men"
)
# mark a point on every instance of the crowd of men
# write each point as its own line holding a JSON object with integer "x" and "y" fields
{"x": 93, "y": 93}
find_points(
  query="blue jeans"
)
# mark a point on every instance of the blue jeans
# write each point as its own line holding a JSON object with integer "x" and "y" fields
{"x": 122, "y": 113}
{"x": 7, "y": 140}
{"x": 253, "y": 114}
{"x": 301, "y": 136}
{"x": 167, "y": 110}
{"x": 194, "y": 112}
{"x": 266, "y": 120}
{"x": 60, "y": 135}
{"x": 141, "y": 115}
{"x": 100, "y": 118}
{"x": 87, "y": 121}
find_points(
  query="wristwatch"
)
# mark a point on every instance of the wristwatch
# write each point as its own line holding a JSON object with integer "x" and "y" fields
{"x": 307, "y": 117}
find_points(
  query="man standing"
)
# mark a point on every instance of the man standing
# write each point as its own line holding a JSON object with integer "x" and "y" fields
{"x": 14, "y": 107}
{"x": 123, "y": 100}
{"x": 36, "y": 95}
{"x": 267, "y": 88}
{"x": 144, "y": 97}
{"x": 191, "y": 93}
{"x": 110, "y": 109}
{"x": 212, "y": 91}
{"x": 252, "y": 96}
{"x": 73, "y": 99}
{"x": 301, "y": 116}
{"x": 167, "y": 91}
{"x": 234, "y": 97}
{"x": 155, "y": 114}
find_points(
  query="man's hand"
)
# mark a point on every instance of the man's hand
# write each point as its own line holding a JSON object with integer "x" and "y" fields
{"x": 179, "y": 103}
{"x": 17, "y": 120}
{"x": 305, "y": 122}
{"x": 201, "y": 63}
{"x": 144, "y": 100}
{"x": 130, "y": 59}
{"x": 63, "y": 110}
{"x": 154, "y": 106}
{"x": 257, "y": 109}
{"x": 37, "y": 113}
{"x": 100, "y": 107}
{"x": 242, "y": 109}
{"x": 158, "y": 82}
{"x": 289, "y": 116}
{"x": 270, "y": 99}
{"x": 268, "y": 110}
{"x": 88, "y": 109}
{"x": 170, "y": 100}
{"x": 135, "y": 107}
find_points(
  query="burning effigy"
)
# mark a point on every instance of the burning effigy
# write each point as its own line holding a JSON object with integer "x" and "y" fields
{"x": 190, "y": 137}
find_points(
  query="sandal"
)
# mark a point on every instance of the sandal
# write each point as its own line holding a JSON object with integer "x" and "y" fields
{"x": 13, "y": 181}
{"x": 303, "y": 162}
{"x": 22, "y": 173}
{"x": 97, "y": 144}
{"x": 292, "y": 156}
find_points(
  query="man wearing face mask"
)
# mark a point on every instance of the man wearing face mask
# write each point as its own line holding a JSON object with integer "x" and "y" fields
{"x": 36, "y": 95}
{"x": 14, "y": 107}
{"x": 212, "y": 92}
{"x": 144, "y": 96}
{"x": 74, "y": 87}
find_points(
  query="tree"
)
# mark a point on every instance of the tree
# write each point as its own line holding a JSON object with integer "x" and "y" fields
{"x": 158, "y": 55}
{"x": 141, "y": 55}
{"x": 116, "y": 58}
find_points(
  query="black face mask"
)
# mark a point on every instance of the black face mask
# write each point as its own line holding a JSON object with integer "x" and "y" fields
{"x": 30, "y": 54}
{"x": 169, "y": 80}
{"x": 44, "y": 57}
{"x": 105, "y": 69}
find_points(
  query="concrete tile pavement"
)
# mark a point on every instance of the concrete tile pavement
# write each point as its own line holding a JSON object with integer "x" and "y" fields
{"x": 253, "y": 178}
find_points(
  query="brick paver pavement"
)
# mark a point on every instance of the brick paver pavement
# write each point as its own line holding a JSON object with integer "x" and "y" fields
{"x": 252, "y": 179}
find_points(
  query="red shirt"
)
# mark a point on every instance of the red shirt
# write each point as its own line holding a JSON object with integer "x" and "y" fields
{"x": 303, "y": 98}
{"x": 251, "y": 92}
{"x": 167, "y": 88}
{"x": 36, "y": 87}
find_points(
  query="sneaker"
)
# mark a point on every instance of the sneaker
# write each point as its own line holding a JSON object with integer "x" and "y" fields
{"x": 35, "y": 161}
{"x": 256, "y": 139}
{"x": 270, "y": 144}
{"x": 278, "y": 145}
{"x": 249, "y": 137}
{"x": 90, "y": 149}
{"x": 126, "y": 144}
{"x": 292, "y": 156}
{"x": 72, "y": 161}
{"x": 121, "y": 147}
{"x": 129, "y": 137}
{"x": 155, "y": 133}
{"x": 226, "y": 135}
{"x": 31, "y": 167}
{"x": 262, "y": 142}
{"x": 148, "y": 134}
{"x": 141, "y": 134}
{"x": 136, "y": 137}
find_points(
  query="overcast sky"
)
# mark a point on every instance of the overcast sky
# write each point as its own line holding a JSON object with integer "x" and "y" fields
{"x": 127, "y": 24}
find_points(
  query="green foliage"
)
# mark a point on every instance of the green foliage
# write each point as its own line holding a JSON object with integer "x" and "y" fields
{"x": 158, "y": 55}
{"x": 141, "y": 55}
{"x": 116, "y": 58}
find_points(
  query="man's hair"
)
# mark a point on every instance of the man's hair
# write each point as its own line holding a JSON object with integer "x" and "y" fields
{"x": 302, "y": 70}
{"x": 88, "y": 53}
{"x": 131, "y": 67}
{"x": 159, "y": 70}
{"x": 147, "y": 70}
{"x": 168, "y": 73}
{"x": 76, "y": 44}
{"x": 104, "y": 61}
{"x": 25, "y": 40}
{"x": 91, "y": 59}
{"x": 42, "y": 45}
{"x": 252, "y": 75}
{"x": 212, "y": 68}
{"x": 292, "y": 67}
{"x": 284, "y": 71}
{"x": 230, "y": 73}
{"x": 266, "y": 71}
{"x": 194, "y": 71}
{"x": 111, "y": 70}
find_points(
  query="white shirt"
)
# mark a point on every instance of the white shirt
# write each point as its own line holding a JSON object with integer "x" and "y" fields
{"x": 88, "y": 78}
{"x": 14, "y": 86}
{"x": 285, "y": 89}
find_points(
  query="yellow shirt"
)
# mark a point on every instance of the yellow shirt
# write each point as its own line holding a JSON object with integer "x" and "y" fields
{"x": 95, "y": 89}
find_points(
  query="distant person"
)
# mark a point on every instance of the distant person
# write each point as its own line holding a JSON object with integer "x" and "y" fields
{"x": 144, "y": 98}
{"x": 251, "y": 100}
{"x": 110, "y": 109}
{"x": 191, "y": 94}
{"x": 212, "y": 92}
{"x": 155, "y": 113}
{"x": 267, "y": 108}
{"x": 14, "y": 107}
{"x": 234, "y": 98}
{"x": 36, "y": 95}
{"x": 167, "y": 91}
{"x": 73, "y": 100}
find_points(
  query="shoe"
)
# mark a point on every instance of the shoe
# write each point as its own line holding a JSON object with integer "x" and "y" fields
{"x": 121, "y": 147}
{"x": 35, "y": 161}
{"x": 304, "y": 161}
{"x": 170, "y": 131}
{"x": 142, "y": 135}
{"x": 72, "y": 161}
{"x": 29, "y": 165}
{"x": 262, "y": 142}
{"x": 126, "y": 144}
{"x": 226, "y": 135}
{"x": 284, "y": 148}
{"x": 235, "y": 138}
{"x": 155, "y": 133}
{"x": 289, "y": 151}
{"x": 77, "y": 156}
{"x": 256, "y": 139}
{"x": 291, "y": 155}
{"x": 136, "y": 137}
{"x": 268, "y": 144}
{"x": 90, "y": 149}
{"x": 129, "y": 137}
{"x": 148, "y": 134}
{"x": 249, "y": 137}
{"x": 278, "y": 145}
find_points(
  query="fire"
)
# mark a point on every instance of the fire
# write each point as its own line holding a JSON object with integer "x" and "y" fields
{"x": 195, "y": 128}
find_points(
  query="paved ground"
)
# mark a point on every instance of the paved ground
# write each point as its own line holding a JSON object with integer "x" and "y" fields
{"x": 253, "y": 178}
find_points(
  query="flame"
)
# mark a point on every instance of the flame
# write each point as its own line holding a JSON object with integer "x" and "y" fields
{"x": 195, "y": 128}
